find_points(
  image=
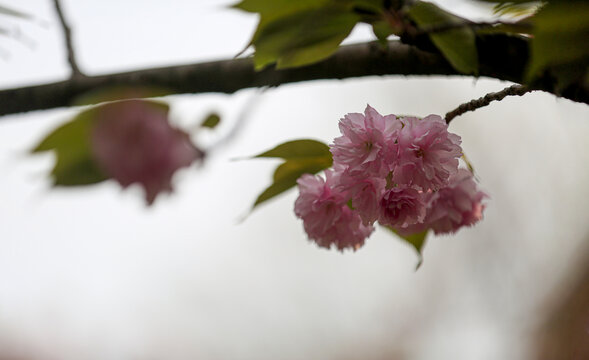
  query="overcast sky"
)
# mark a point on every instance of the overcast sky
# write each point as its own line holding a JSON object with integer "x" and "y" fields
{"x": 92, "y": 274}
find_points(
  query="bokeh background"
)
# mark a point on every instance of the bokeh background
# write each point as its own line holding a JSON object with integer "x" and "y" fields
{"x": 91, "y": 273}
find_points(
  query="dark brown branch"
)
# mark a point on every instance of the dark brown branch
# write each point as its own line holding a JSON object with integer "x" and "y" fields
{"x": 524, "y": 27}
{"x": 501, "y": 57}
{"x": 67, "y": 34}
{"x": 228, "y": 76}
{"x": 514, "y": 90}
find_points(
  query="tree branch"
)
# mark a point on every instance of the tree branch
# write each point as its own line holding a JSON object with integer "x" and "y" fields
{"x": 501, "y": 57}
{"x": 67, "y": 34}
{"x": 472, "y": 105}
{"x": 440, "y": 28}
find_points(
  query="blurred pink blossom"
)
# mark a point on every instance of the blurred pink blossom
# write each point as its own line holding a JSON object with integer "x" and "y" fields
{"x": 133, "y": 142}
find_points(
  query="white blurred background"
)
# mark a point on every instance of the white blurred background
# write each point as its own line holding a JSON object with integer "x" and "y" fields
{"x": 91, "y": 273}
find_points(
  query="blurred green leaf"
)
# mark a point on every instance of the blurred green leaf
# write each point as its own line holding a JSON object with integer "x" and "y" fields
{"x": 211, "y": 121}
{"x": 467, "y": 162}
{"x": 271, "y": 9}
{"x": 457, "y": 45}
{"x": 417, "y": 241}
{"x": 382, "y": 30}
{"x": 369, "y": 5}
{"x": 301, "y": 157}
{"x": 74, "y": 161}
{"x": 560, "y": 42}
{"x": 515, "y": 9}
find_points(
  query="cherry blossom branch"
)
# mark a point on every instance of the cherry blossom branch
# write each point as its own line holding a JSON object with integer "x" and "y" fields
{"x": 517, "y": 90}
{"x": 67, "y": 33}
{"x": 229, "y": 76}
{"x": 502, "y": 57}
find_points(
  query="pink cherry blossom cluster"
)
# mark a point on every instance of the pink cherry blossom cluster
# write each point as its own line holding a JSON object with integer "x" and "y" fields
{"x": 133, "y": 142}
{"x": 401, "y": 172}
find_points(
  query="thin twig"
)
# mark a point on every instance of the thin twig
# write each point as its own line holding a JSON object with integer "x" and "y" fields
{"x": 472, "y": 105}
{"x": 67, "y": 32}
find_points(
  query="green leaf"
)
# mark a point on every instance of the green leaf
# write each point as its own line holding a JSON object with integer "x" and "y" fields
{"x": 417, "y": 241}
{"x": 211, "y": 121}
{"x": 382, "y": 30}
{"x": 515, "y": 9}
{"x": 457, "y": 45}
{"x": 71, "y": 143}
{"x": 298, "y": 149}
{"x": 271, "y": 9}
{"x": 297, "y": 33}
{"x": 286, "y": 175}
{"x": 375, "y": 6}
{"x": 301, "y": 157}
{"x": 467, "y": 162}
{"x": 321, "y": 42}
{"x": 302, "y": 38}
{"x": 561, "y": 30}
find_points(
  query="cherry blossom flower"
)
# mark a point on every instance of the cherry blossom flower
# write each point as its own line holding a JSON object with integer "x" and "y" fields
{"x": 363, "y": 145}
{"x": 327, "y": 219}
{"x": 427, "y": 153}
{"x": 402, "y": 206}
{"x": 365, "y": 193}
{"x": 457, "y": 205}
{"x": 133, "y": 142}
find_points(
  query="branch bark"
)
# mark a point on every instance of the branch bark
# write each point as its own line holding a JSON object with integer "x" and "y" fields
{"x": 501, "y": 57}
{"x": 67, "y": 34}
{"x": 513, "y": 90}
